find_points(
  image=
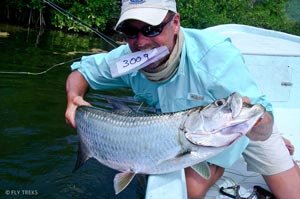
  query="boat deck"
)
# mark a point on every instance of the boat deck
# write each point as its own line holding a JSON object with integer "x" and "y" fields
{"x": 274, "y": 60}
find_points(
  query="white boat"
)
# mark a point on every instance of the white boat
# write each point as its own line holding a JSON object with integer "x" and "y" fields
{"x": 274, "y": 60}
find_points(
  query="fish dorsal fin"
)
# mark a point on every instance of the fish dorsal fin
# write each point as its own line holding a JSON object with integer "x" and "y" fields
{"x": 122, "y": 180}
{"x": 202, "y": 169}
{"x": 120, "y": 107}
{"x": 82, "y": 156}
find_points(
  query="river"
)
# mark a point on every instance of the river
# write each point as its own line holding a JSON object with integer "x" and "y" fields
{"x": 38, "y": 150}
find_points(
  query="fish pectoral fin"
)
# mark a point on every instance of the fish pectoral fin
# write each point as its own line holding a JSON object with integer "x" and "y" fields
{"x": 202, "y": 169}
{"x": 82, "y": 156}
{"x": 176, "y": 159}
{"x": 122, "y": 180}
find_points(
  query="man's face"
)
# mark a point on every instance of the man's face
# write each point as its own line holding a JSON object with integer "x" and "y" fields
{"x": 167, "y": 36}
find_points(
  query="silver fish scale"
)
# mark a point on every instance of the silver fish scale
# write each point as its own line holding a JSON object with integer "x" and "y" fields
{"x": 144, "y": 143}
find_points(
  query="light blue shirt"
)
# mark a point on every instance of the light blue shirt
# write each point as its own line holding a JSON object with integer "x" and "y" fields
{"x": 210, "y": 68}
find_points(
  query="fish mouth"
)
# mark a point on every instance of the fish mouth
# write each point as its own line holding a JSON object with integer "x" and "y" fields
{"x": 244, "y": 121}
{"x": 230, "y": 131}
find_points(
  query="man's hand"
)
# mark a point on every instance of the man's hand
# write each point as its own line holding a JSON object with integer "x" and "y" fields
{"x": 289, "y": 145}
{"x": 263, "y": 128}
{"x": 71, "y": 109}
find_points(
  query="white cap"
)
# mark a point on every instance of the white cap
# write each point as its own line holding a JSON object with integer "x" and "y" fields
{"x": 151, "y": 12}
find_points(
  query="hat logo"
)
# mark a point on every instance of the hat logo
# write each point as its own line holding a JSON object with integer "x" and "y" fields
{"x": 137, "y": 1}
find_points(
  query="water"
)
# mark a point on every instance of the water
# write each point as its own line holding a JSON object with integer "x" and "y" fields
{"x": 37, "y": 149}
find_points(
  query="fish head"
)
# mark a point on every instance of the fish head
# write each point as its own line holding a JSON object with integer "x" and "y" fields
{"x": 222, "y": 122}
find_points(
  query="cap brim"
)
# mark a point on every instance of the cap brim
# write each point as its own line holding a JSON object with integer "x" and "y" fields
{"x": 152, "y": 16}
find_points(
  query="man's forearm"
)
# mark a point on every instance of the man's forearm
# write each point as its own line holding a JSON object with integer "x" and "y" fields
{"x": 76, "y": 85}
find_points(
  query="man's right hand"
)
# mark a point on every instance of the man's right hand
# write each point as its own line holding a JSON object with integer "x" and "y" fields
{"x": 71, "y": 109}
{"x": 76, "y": 87}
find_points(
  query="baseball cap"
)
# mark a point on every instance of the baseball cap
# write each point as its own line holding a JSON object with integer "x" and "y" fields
{"x": 151, "y": 12}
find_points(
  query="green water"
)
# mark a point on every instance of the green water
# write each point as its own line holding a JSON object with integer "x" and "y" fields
{"x": 37, "y": 149}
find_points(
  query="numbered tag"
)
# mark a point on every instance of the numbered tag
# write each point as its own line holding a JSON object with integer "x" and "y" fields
{"x": 135, "y": 61}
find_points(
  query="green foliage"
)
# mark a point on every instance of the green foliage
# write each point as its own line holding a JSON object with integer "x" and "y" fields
{"x": 282, "y": 15}
{"x": 270, "y": 14}
{"x": 97, "y": 14}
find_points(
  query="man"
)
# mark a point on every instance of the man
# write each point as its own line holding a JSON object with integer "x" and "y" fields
{"x": 200, "y": 68}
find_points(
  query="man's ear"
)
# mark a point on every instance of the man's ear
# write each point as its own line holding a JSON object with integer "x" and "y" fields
{"x": 176, "y": 23}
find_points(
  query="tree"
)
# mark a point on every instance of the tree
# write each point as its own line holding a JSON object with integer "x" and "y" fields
{"x": 98, "y": 14}
{"x": 279, "y": 15}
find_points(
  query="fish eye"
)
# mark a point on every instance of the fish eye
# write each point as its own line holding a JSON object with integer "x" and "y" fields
{"x": 220, "y": 102}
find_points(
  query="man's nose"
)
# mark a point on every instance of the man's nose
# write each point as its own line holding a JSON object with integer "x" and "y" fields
{"x": 142, "y": 41}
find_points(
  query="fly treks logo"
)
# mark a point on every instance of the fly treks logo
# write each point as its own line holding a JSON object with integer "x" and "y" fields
{"x": 136, "y": 1}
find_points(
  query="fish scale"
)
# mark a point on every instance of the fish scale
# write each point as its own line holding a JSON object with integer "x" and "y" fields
{"x": 126, "y": 145}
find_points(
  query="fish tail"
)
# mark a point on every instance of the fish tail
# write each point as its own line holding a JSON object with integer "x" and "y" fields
{"x": 82, "y": 156}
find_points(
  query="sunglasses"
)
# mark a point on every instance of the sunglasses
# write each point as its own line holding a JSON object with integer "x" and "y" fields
{"x": 258, "y": 192}
{"x": 148, "y": 30}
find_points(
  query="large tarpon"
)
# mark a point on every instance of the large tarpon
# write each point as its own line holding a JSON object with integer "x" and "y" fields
{"x": 161, "y": 143}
